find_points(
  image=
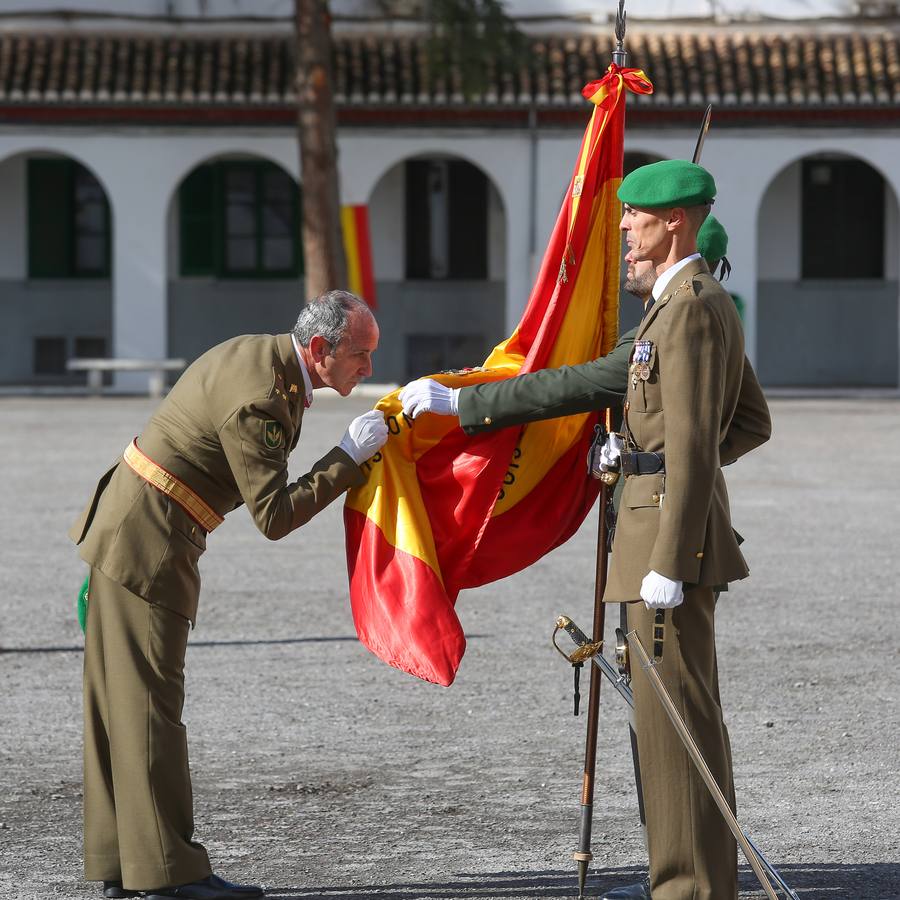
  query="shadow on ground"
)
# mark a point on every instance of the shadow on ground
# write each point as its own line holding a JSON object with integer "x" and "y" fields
{"x": 79, "y": 648}
{"x": 826, "y": 881}
{"x": 508, "y": 885}
{"x": 76, "y": 648}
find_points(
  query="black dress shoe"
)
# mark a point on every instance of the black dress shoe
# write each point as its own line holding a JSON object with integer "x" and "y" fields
{"x": 114, "y": 891}
{"x": 629, "y": 892}
{"x": 210, "y": 888}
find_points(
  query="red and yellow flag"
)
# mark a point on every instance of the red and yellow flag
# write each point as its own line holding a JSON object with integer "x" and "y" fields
{"x": 358, "y": 252}
{"x": 441, "y": 510}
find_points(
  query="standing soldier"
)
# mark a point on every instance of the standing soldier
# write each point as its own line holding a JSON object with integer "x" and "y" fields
{"x": 685, "y": 416}
{"x": 220, "y": 439}
{"x": 674, "y": 544}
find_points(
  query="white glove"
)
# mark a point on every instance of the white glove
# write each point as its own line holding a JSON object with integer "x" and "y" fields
{"x": 610, "y": 452}
{"x": 427, "y": 395}
{"x": 365, "y": 436}
{"x": 659, "y": 592}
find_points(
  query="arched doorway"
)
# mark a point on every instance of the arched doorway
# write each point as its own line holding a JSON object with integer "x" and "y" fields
{"x": 827, "y": 293}
{"x": 439, "y": 254}
{"x": 55, "y": 263}
{"x": 235, "y": 260}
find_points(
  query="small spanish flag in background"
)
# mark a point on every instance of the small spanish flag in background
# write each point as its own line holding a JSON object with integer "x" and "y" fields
{"x": 441, "y": 510}
{"x": 358, "y": 250}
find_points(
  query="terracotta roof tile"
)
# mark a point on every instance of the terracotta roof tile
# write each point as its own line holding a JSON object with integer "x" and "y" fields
{"x": 767, "y": 70}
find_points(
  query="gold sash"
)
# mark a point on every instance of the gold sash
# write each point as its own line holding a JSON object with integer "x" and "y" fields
{"x": 192, "y": 503}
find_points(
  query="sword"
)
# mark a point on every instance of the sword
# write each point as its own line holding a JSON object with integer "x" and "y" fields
{"x": 586, "y": 650}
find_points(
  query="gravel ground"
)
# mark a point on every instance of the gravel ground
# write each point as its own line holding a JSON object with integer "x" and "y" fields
{"x": 321, "y": 772}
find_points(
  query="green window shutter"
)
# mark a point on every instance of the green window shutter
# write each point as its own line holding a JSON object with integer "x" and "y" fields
{"x": 196, "y": 199}
{"x": 49, "y": 218}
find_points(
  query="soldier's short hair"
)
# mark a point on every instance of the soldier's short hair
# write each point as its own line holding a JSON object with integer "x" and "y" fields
{"x": 328, "y": 316}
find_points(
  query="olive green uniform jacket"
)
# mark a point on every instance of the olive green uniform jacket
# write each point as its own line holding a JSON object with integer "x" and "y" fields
{"x": 225, "y": 429}
{"x": 702, "y": 406}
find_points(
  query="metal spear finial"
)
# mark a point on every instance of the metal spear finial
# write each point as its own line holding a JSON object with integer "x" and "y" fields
{"x": 620, "y": 55}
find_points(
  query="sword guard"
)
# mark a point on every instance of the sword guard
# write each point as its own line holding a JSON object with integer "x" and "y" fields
{"x": 585, "y": 650}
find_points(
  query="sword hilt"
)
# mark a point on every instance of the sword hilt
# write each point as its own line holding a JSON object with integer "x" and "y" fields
{"x": 585, "y": 649}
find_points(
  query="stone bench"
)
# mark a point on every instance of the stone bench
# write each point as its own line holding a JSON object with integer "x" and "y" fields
{"x": 156, "y": 367}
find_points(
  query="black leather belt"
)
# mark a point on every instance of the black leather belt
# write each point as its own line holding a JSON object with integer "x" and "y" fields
{"x": 641, "y": 463}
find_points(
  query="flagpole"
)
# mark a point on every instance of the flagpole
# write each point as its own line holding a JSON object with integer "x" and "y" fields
{"x": 583, "y": 854}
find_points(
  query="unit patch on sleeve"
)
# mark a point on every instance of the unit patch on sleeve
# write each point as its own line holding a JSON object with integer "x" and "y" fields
{"x": 274, "y": 434}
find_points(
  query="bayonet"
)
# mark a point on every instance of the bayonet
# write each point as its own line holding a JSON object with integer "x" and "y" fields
{"x": 701, "y": 138}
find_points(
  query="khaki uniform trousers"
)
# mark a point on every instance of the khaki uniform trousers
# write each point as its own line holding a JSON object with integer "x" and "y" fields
{"x": 138, "y": 805}
{"x": 693, "y": 855}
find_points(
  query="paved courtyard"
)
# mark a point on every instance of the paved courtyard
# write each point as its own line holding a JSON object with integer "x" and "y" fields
{"x": 323, "y": 773}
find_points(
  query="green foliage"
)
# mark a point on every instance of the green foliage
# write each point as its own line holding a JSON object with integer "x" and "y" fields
{"x": 463, "y": 36}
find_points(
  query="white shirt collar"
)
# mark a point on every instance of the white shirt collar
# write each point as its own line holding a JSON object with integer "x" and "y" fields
{"x": 307, "y": 384}
{"x": 662, "y": 281}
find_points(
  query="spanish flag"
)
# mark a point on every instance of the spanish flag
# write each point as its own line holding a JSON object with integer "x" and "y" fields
{"x": 441, "y": 510}
{"x": 358, "y": 251}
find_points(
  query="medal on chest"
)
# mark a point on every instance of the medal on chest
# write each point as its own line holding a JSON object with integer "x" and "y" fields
{"x": 640, "y": 362}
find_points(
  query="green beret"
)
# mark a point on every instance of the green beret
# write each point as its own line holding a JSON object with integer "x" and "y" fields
{"x": 668, "y": 183}
{"x": 712, "y": 240}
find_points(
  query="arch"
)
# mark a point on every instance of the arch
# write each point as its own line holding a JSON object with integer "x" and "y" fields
{"x": 50, "y": 150}
{"x": 226, "y": 280}
{"x": 444, "y": 305}
{"x": 827, "y": 315}
{"x": 58, "y": 288}
{"x": 202, "y": 155}
{"x": 396, "y": 169}
{"x": 820, "y": 151}
{"x": 206, "y": 158}
{"x": 437, "y": 153}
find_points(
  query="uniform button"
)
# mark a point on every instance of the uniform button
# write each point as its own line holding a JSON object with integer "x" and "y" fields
{"x": 488, "y": 420}
{"x": 193, "y": 529}
{"x": 699, "y": 554}
{"x": 655, "y": 498}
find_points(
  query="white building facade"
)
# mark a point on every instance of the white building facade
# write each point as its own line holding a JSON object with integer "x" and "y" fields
{"x": 146, "y": 183}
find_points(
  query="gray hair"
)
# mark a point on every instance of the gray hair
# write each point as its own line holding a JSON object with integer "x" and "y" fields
{"x": 328, "y": 316}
